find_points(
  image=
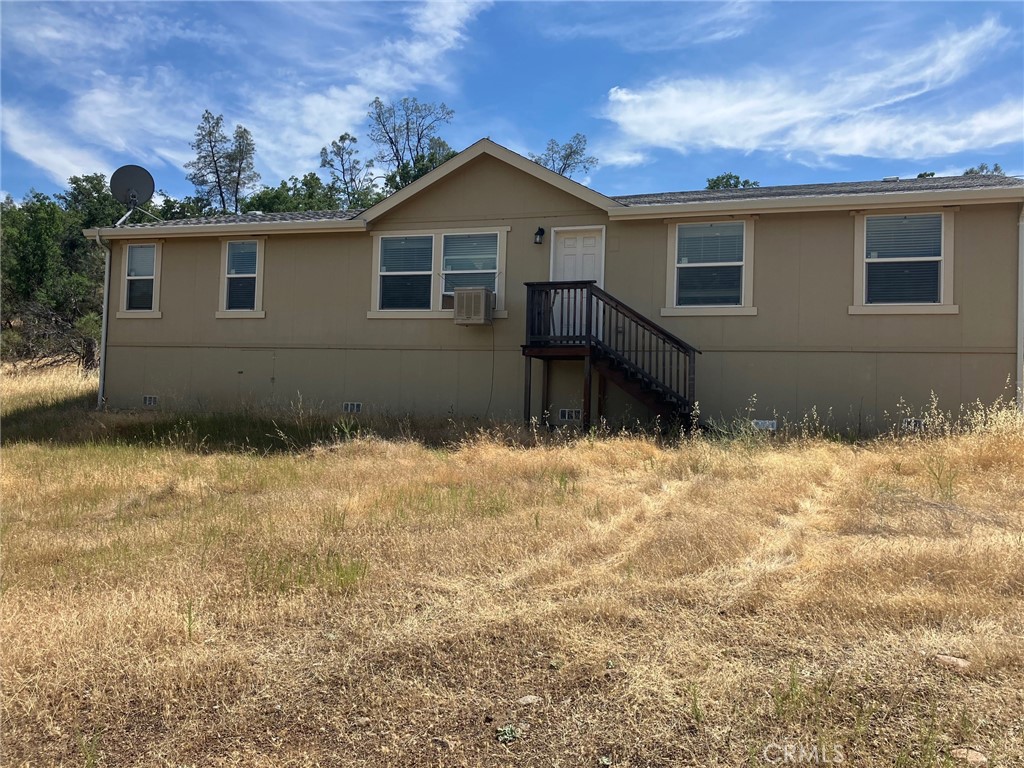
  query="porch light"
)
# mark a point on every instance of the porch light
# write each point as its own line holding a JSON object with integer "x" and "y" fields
{"x": 538, "y": 236}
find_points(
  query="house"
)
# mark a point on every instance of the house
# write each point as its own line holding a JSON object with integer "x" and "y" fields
{"x": 768, "y": 301}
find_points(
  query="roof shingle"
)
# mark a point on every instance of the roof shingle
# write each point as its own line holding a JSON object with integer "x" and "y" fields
{"x": 931, "y": 184}
{"x": 250, "y": 218}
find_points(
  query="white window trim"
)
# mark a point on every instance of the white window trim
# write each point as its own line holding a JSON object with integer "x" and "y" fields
{"x": 860, "y": 266}
{"x": 436, "y": 283}
{"x": 223, "y": 313}
{"x": 747, "y": 307}
{"x": 417, "y": 273}
{"x": 123, "y": 313}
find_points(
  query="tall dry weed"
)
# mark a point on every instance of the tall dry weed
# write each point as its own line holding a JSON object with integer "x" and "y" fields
{"x": 370, "y": 601}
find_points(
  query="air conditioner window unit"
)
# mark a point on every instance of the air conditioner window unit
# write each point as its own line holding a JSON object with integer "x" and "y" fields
{"x": 474, "y": 306}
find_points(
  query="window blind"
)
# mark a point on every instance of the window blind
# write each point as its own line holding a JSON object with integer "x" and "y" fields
{"x": 710, "y": 243}
{"x": 406, "y": 254}
{"x": 903, "y": 282}
{"x": 140, "y": 294}
{"x": 242, "y": 258}
{"x": 405, "y": 291}
{"x": 904, "y": 237}
{"x": 141, "y": 260}
{"x": 709, "y": 286}
{"x": 464, "y": 253}
{"x": 241, "y": 293}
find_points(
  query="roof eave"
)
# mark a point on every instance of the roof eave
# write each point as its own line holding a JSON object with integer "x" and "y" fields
{"x": 821, "y": 203}
{"x": 247, "y": 228}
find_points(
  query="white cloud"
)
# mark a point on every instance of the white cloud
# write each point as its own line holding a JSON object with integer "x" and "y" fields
{"x": 296, "y": 90}
{"x": 290, "y": 124}
{"x": 662, "y": 27}
{"x": 58, "y": 156}
{"x": 130, "y": 115}
{"x": 612, "y": 156}
{"x": 72, "y": 38}
{"x": 871, "y": 109}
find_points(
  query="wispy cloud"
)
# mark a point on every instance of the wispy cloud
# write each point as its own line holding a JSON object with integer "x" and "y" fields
{"x": 295, "y": 90}
{"x": 58, "y": 156}
{"x": 875, "y": 107}
{"x": 128, "y": 114}
{"x": 291, "y": 125}
{"x": 662, "y": 26}
{"x": 96, "y": 33}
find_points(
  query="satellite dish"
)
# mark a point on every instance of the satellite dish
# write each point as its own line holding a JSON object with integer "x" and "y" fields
{"x": 132, "y": 185}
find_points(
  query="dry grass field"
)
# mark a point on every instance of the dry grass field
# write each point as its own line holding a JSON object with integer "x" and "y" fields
{"x": 328, "y": 597}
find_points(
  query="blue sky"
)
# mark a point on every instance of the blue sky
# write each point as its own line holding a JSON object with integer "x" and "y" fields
{"x": 668, "y": 94}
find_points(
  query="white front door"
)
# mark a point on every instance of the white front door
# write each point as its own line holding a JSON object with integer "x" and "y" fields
{"x": 578, "y": 254}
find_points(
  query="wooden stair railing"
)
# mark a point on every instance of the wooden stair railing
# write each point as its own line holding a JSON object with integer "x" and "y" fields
{"x": 578, "y": 319}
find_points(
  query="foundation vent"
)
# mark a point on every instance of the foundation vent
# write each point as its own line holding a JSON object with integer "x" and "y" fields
{"x": 351, "y": 407}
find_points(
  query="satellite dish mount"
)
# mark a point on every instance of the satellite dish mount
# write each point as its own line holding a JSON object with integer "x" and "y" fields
{"x": 133, "y": 186}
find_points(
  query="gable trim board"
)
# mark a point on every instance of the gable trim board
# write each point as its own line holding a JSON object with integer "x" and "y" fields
{"x": 323, "y": 273}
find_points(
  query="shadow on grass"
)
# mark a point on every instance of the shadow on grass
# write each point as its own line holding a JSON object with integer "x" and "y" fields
{"x": 74, "y": 421}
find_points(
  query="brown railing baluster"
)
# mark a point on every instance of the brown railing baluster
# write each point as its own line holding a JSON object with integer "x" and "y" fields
{"x": 579, "y": 313}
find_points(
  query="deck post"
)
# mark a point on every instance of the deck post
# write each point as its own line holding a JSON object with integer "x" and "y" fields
{"x": 587, "y": 378}
{"x": 545, "y": 391}
{"x": 691, "y": 385}
{"x": 526, "y": 391}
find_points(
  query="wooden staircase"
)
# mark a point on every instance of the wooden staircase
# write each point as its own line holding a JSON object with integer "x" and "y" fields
{"x": 579, "y": 321}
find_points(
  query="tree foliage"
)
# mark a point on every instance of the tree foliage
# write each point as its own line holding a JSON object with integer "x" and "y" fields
{"x": 406, "y": 137}
{"x": 309, "y": 193}
{"x": 567, "y": 159}
{"x": 982, "y": 169}
{"x": 352, "y": 177}
{"x": 53, "y": 276}
{"x": 224, "y": 169}
{"x": 926, "y": 174}
{"x": 188, "y": 207}
{"x": 730, "y": 181}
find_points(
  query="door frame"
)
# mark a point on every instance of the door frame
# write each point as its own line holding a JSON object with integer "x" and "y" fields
{"x": 554, "y": 246}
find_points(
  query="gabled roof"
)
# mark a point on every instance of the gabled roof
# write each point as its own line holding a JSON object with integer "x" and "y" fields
{"x": 847, "y": 195}
{"x": 488, "y": 147}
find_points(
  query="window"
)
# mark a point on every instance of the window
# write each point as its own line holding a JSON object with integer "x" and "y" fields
{"x": 903, "y": 259}
{"x": 415, "y": 274}
{"x": 903, "y": 263}
{"x": 406, "y": 272}
{"x": 140, "y": 287}
{"x": 709, "y": 269}
{"x": 468, "y": 261}
{"x": 241, "y": 285}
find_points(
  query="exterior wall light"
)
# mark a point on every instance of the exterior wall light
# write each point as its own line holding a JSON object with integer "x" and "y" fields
{"x": 538, "y": 236}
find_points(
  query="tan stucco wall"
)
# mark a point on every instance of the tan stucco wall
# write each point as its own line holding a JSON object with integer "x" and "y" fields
{"x": 802, "y": 349}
